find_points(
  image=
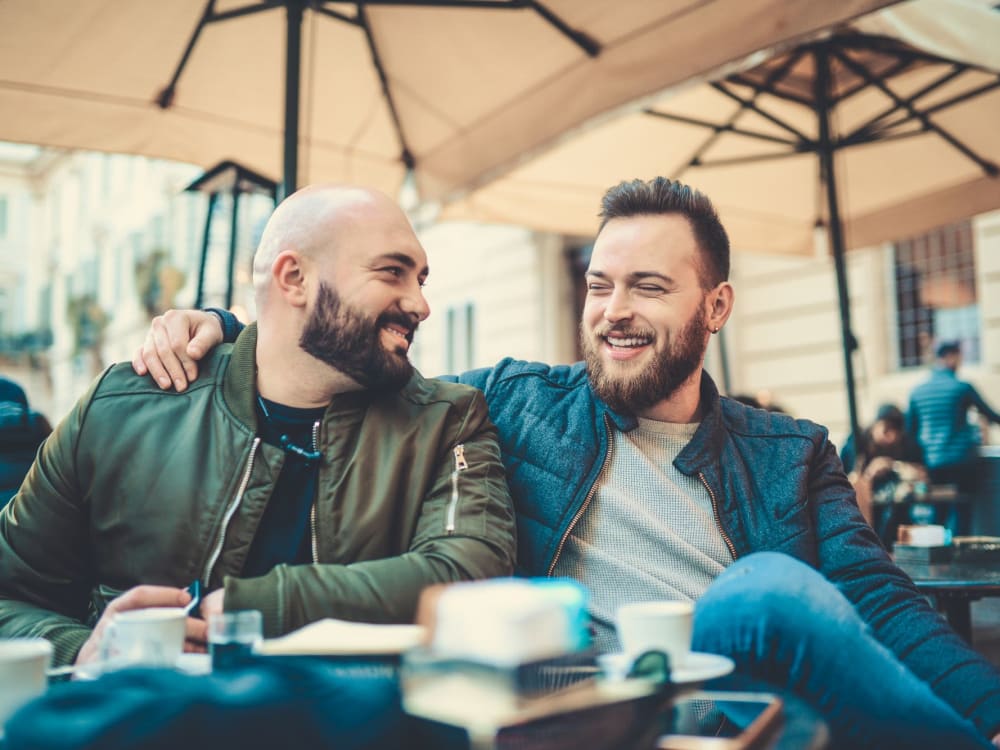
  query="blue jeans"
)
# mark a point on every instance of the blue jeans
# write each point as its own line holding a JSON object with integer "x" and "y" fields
{"x": 786, "y": 626}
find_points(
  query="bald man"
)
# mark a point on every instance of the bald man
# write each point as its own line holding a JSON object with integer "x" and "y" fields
{"x": 310, "y": 473}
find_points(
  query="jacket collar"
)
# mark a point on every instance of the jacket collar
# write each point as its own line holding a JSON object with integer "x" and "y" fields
{"x": 703, "y": 446}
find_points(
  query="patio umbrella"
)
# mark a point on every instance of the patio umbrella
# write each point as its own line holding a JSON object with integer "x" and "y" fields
{"x": 882, "y": 129}
{"x": 456, "y": 90}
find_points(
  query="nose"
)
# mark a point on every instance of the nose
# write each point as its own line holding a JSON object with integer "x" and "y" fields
{"x": 616, "y": 306}
{"x": 414, "y": 303}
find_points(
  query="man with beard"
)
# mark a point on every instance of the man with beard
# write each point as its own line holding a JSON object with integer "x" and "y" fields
{"x": 310, "y": 473}
{"x": 631, "y": 474}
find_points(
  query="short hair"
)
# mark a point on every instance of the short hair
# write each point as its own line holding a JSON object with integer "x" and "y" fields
{"x": 946, "y": 348}
{"x": 891, "y": 415}
{"x": 664, "y": 196}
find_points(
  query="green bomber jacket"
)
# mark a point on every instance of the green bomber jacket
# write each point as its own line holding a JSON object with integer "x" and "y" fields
{"x": 139, "y": 485}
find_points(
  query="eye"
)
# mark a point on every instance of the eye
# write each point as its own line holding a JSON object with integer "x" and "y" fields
{"x": 394, "y": 271}
{"x": 650, "y": 289}
{"x": 595, "y": 287}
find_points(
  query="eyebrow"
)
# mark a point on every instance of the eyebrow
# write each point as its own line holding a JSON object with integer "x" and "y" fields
{"x": 404, "y": 259}
{"x": 635, "y": 276}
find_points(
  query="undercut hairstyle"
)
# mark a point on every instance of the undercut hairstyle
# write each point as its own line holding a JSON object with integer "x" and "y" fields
{"x": 663, "y": 196}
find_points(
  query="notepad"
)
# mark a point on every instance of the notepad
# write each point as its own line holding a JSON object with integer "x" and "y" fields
{"x": 341, "y": 637}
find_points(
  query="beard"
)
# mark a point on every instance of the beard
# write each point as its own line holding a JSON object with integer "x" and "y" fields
{"x": 634, "y": 393}
{"x": 349, "y": 341}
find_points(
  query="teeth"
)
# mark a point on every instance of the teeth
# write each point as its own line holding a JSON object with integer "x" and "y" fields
{"x": 397, "y": 332}
{"x": 626, "y": 343}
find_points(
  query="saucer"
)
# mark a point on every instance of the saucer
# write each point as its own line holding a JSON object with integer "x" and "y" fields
{"x": 696, "y": 668}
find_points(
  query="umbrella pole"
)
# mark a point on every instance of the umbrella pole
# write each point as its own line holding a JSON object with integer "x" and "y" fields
{"x": 233, "y": 224}
{"x": 835, "y": 229}
{"x": 199, "y": 297}
{"x": 293, "y": 80}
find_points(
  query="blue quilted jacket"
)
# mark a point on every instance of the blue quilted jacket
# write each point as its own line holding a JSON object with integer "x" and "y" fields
{"x": 775, "y": 483}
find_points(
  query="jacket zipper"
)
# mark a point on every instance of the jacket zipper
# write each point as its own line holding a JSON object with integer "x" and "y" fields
{"x": 586, "y": 501}
{"x": 217, "y": 550}
{"x": 718, "y": 519}
{"x": 461, "y": 464}
{"x": 312, "y": 510}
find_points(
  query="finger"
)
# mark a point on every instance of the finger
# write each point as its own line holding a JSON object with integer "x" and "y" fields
{"x": 152, "y": 361}
{"x": 207, "y": 334}
{"x": 196, "y": 630}
{"x": 137, "y": 364}
{"x": 164, "y": 346}
{"x": 191, "y": 647}
{"x": 145, "y": 596}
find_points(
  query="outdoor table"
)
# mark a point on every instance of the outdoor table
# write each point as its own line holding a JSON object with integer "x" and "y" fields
{"x": 954, "y": 586}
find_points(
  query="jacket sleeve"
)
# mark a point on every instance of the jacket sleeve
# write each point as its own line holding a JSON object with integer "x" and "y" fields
{"x": 851, "y": 556}
{"x": 981, "y": 406}
{"x": 481, "y": 544}
{"x": 44, "y": 563}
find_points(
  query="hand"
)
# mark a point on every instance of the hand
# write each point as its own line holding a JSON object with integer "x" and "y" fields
{"x": 996, "y": 740}
{"x": 175, "y": 341}
{"x": 213, "y": 603}
{"x": 142, "y": 597}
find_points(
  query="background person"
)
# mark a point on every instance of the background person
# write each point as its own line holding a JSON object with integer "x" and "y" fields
{"x": 938, "y": 416}
{"x": 308, "y": 474}
{"x": 21, "y": 432}
{"x": 887, "y": 472}
{"x": 631, "y": 474}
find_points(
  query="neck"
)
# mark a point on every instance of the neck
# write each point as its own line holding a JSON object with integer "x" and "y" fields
{"x": 682, "y": 407}
{"x": 288, "y": 375}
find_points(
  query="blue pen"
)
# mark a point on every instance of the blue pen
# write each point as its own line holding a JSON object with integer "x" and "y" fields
{"x": 193, "y": 606}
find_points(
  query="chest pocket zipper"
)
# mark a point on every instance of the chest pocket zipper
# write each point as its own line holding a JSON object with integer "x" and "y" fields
{"x": 461, "y": 464}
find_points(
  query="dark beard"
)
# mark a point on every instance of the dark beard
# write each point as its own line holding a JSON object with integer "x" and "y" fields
{"x": 670, "y": 368}
{"x": 352, "y": 343}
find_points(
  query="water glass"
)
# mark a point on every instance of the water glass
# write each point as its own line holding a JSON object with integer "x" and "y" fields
{"x": 232, "y": 637}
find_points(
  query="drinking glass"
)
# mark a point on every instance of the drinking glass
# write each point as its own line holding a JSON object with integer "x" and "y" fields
{"x": 232, "y": 637}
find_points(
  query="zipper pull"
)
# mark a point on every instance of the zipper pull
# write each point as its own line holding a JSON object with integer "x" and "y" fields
{"x": 460, "y": 463}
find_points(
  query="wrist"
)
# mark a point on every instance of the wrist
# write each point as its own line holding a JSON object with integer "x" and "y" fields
{"x": 228, "y": 322}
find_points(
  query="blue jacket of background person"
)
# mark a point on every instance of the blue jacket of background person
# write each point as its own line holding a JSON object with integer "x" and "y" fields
{"x": 775, "y": 483}
{"x": 21, "y": 432}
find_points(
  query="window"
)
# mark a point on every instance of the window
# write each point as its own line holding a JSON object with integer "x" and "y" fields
{"x": 460, "y": 322}
{"x": 935, "y": 277}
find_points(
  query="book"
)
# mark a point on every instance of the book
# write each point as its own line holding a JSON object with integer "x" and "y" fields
{"x": 341, "y": 637}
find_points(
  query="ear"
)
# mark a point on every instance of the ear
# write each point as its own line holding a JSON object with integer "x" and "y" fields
{"x": 719, "y": 303}
{"x": 290, "y": 277}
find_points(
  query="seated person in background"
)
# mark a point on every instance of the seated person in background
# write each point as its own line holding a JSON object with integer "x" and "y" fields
{"x": 887, "y": 471}
{"x": 631, "y": 474}
{"x": 21, "y": 432}
{"x": 308, "y": 474}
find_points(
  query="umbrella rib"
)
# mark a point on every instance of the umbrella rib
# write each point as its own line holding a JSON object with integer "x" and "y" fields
{"x": 950, "y": 75}
{"x": 749, "y": 104}
{"x": 337, "y": 15}
{"x": 957, "y": 99}
{"x": 166, "y": 96}
{"x": 406, "y": 156}
{"x": 580, "y": 39}
{"x": 987, "y": 166}
{"x": 773, "y": 76}
{"x": 720, "y": 127}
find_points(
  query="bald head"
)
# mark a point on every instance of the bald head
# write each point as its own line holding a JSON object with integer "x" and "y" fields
{"x": 313, "y": 221}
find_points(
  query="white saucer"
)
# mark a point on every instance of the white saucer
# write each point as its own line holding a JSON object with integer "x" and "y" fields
{"x": 698, "y": 667}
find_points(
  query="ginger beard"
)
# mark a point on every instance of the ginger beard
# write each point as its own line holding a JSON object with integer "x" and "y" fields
{"x": 351, "y": 342}
{"x": 629, "y": 389}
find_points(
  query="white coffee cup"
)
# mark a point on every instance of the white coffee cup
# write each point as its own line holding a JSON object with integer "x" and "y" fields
{"x": 151, "y": 637}
{"x": 656, "y": 626}
{"x": 23, "y": 662}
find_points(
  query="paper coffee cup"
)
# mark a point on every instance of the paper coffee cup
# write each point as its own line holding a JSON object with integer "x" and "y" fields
{"x": 148, "y": 637}
{"x": 656, "y": 626}
{"x": 23, "y": 662}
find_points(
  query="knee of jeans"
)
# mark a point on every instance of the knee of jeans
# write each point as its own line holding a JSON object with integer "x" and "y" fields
{"x": 771, "y": 585}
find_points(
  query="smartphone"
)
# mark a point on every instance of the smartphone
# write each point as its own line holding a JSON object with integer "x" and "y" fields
{"x": 717, "y": 720}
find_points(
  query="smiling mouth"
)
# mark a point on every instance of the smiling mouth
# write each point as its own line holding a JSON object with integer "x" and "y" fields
{"x": 403, "y": 336}
{"x": 621, "y": 342}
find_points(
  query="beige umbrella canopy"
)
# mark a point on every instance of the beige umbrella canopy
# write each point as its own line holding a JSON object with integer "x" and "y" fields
{"x": 457, "y": 89}
{"x": 872, "y": 136}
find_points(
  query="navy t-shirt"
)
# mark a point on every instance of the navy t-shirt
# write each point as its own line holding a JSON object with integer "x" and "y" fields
{"x": 284, "y": 534}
